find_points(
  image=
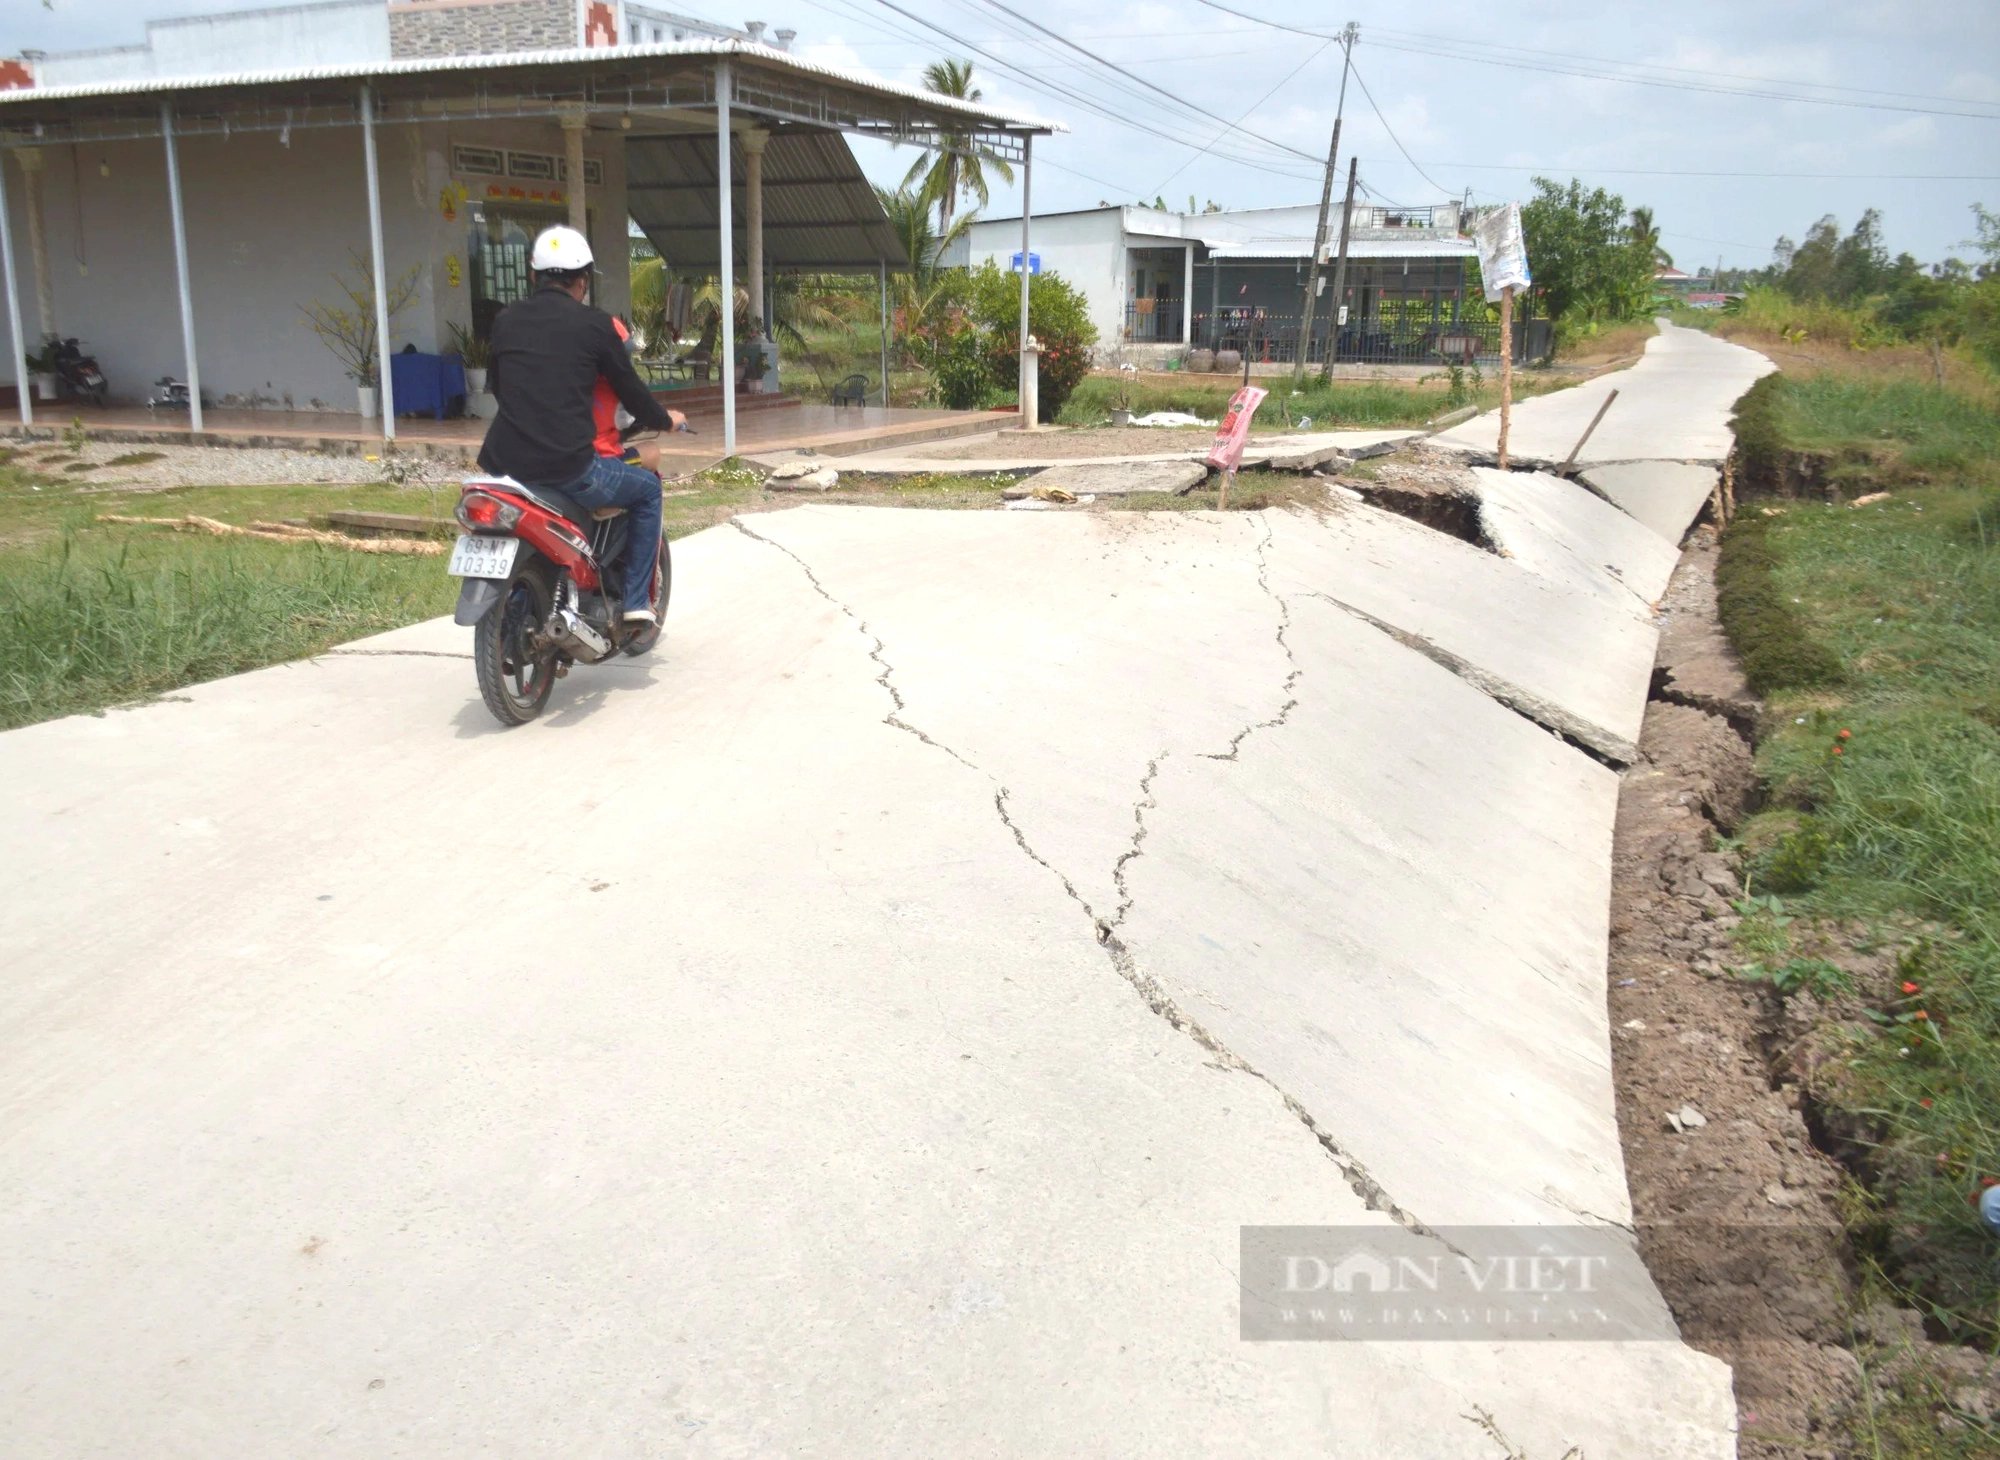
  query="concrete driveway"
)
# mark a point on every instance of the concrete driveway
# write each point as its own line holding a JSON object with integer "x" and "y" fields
{"x": 862, "y": 1028}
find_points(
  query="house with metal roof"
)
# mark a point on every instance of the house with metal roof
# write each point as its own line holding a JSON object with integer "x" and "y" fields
{"x": 180, "y": 215}
{"x": 1160, "y": 282}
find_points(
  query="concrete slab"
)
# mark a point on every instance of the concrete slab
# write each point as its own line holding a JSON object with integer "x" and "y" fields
{"x": 1565, "y": 532}
{"x": 732, "y": 1059}
{"x": 1673, "y": 405}
{"x": 1665, "y": 495}
{"x": 1358, "y": 949}
{"x": 964, "y": 454}
{"x": 1541, "y": 646}
{"x": 1120, "y": 479}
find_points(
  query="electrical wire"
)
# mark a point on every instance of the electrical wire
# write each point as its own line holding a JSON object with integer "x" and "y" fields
{"x": 1282, "y": 84}
{"x": 1567, "y": 64}
{"x": 1046, "y": 87}
{"x": 1005, "y": 9}
{"x": 1448, "y": 192}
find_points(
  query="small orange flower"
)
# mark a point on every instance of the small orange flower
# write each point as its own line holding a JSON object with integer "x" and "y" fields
{"x": 1846, "y": 735}
{"x": 1925, "y": 1102}
{"x": 1910, "y": 988}
{"x": 1921, "y": 1014}
{"x": 1836, "y": 750}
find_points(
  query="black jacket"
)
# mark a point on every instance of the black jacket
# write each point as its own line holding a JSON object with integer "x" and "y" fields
{"x": 548, "y": 351}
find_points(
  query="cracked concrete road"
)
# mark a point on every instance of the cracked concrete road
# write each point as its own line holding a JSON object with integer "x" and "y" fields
{"x": 1674, "y": 405}
{"x": 862, "y": 1028}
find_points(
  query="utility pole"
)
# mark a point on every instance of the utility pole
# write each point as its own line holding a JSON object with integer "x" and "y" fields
{"x": 1340, "y": 268}
{"x": 1347, "y": 39}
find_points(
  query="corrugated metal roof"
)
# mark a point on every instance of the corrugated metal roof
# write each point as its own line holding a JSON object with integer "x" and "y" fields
{"x": 602, "y": 56}
{"x": 1357, "y": 248}
{"x": 820, "y": 211}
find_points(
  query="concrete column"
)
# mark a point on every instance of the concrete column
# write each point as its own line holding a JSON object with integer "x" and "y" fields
{"x": 1030, "y": 363}
{"x": 725, "y": 192}
{"x": 32, "y": 160}
{"x": 385, "y": 387}
{"x": 179, "y": 217}
{"x": 1187, "y": 301}
{"x": 753, "y": 219}
{"x": 24, "y": 388}
{"x": 573, "y": 123}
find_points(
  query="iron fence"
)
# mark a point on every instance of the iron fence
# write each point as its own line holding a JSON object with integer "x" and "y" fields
{"x": 1390, "y": 338}
{"x": 1154, "y": 321}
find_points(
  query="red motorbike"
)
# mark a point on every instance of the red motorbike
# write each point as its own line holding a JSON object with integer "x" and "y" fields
{"x": 542, "y": 590}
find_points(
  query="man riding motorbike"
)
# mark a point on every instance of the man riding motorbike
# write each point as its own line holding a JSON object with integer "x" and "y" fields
{"x": 549, "y": 351}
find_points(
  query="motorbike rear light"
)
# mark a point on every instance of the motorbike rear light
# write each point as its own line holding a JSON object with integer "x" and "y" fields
{"x": 480, "y": 511}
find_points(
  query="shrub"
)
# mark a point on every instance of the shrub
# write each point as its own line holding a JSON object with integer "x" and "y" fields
{"x": 959, "y": 370}
{"x": 1058, "y": 317}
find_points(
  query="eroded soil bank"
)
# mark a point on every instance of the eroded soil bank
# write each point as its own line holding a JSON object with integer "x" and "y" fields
{"x": 1739, "y": 1211}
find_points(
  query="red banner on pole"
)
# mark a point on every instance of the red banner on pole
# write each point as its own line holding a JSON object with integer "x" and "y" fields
{"x": 1227, "y": 452}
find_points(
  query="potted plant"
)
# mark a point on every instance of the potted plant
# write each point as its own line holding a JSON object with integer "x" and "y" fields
{"x": 475, "y": 354}
{"x": 1121, "y": 398}
{"x": 42, "y": 366}
{"x": 348, "y": 329}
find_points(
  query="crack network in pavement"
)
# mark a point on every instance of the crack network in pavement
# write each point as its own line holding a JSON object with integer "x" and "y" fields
{"x": 1156, "y": 998}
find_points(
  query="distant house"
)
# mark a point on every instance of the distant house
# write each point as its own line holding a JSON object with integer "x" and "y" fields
{"x": 1160, "y": 282}
{"x": 1671, "y": 280}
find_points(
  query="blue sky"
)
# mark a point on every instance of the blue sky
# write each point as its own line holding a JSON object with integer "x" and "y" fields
{"x": 1466, "y": 123}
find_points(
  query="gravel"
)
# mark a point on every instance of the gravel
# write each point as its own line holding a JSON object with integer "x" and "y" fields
{"x": 222, "y": 466}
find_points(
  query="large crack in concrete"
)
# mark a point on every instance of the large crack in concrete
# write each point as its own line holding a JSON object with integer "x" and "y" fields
{"x": 1284, "y": 628}
{"x": 1573, "y": 730}
{"x": 1157, "y": 999}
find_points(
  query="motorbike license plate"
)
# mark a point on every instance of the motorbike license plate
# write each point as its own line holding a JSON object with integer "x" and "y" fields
{"x": 483, "y": 557}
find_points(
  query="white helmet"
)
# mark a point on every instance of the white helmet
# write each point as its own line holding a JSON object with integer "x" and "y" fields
{"x": 561, "y": 251}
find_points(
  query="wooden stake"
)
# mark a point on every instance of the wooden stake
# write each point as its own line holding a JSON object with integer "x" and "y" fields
{"x": 1506, "y": 369}
{"x": 1228, "y": 476}
{"x": 282, "y": 532}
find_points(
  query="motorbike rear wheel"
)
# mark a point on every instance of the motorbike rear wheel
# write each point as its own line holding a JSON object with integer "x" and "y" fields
{"x": 515, "y": 678}
{"x": 663, "y": 587}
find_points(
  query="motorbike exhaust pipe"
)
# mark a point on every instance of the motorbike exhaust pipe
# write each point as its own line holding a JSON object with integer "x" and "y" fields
{"x": 580, "y": 636}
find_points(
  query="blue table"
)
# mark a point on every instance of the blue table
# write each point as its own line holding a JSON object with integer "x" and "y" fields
{"x": 426, "y": 384}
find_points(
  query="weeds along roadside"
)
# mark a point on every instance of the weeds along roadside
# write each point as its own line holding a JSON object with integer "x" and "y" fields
{"x": 1872, "y": 630}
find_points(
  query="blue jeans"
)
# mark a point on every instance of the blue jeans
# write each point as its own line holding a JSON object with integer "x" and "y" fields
{"x": 614, "y": 483}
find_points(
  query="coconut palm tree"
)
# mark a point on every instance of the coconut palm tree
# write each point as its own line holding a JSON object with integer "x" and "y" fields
{"x": 956, "y": 168}
{"x": 921, "y": 291}
{"x": 1645, "y": 236}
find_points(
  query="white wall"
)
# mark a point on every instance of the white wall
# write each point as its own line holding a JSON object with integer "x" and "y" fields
{"x": 253, "y": 40}
{"x": 268, "y": 225}
{"x": 1087, "y": 249}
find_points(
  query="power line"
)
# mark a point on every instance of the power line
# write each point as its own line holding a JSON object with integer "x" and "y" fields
{"x": 1134, "y": 76}
{"x": 1560, "y": 64}
{"x": 1152, "y": 128}
{"x": 1282, "y": 84}
{"x": 1393, "y": 137}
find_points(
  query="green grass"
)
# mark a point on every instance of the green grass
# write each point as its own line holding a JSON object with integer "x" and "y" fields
{"x": 93, "y": 615}
{"x": 1883, "y": 622}
{"x": 101, "y": 619}
{"x": 1871, "y": 433}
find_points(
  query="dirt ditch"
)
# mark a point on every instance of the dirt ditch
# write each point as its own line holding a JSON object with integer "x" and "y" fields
{"x": 1738, "y": 1210}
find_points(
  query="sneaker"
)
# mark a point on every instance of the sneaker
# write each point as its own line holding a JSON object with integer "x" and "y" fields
{"x": 641, "y": 616}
